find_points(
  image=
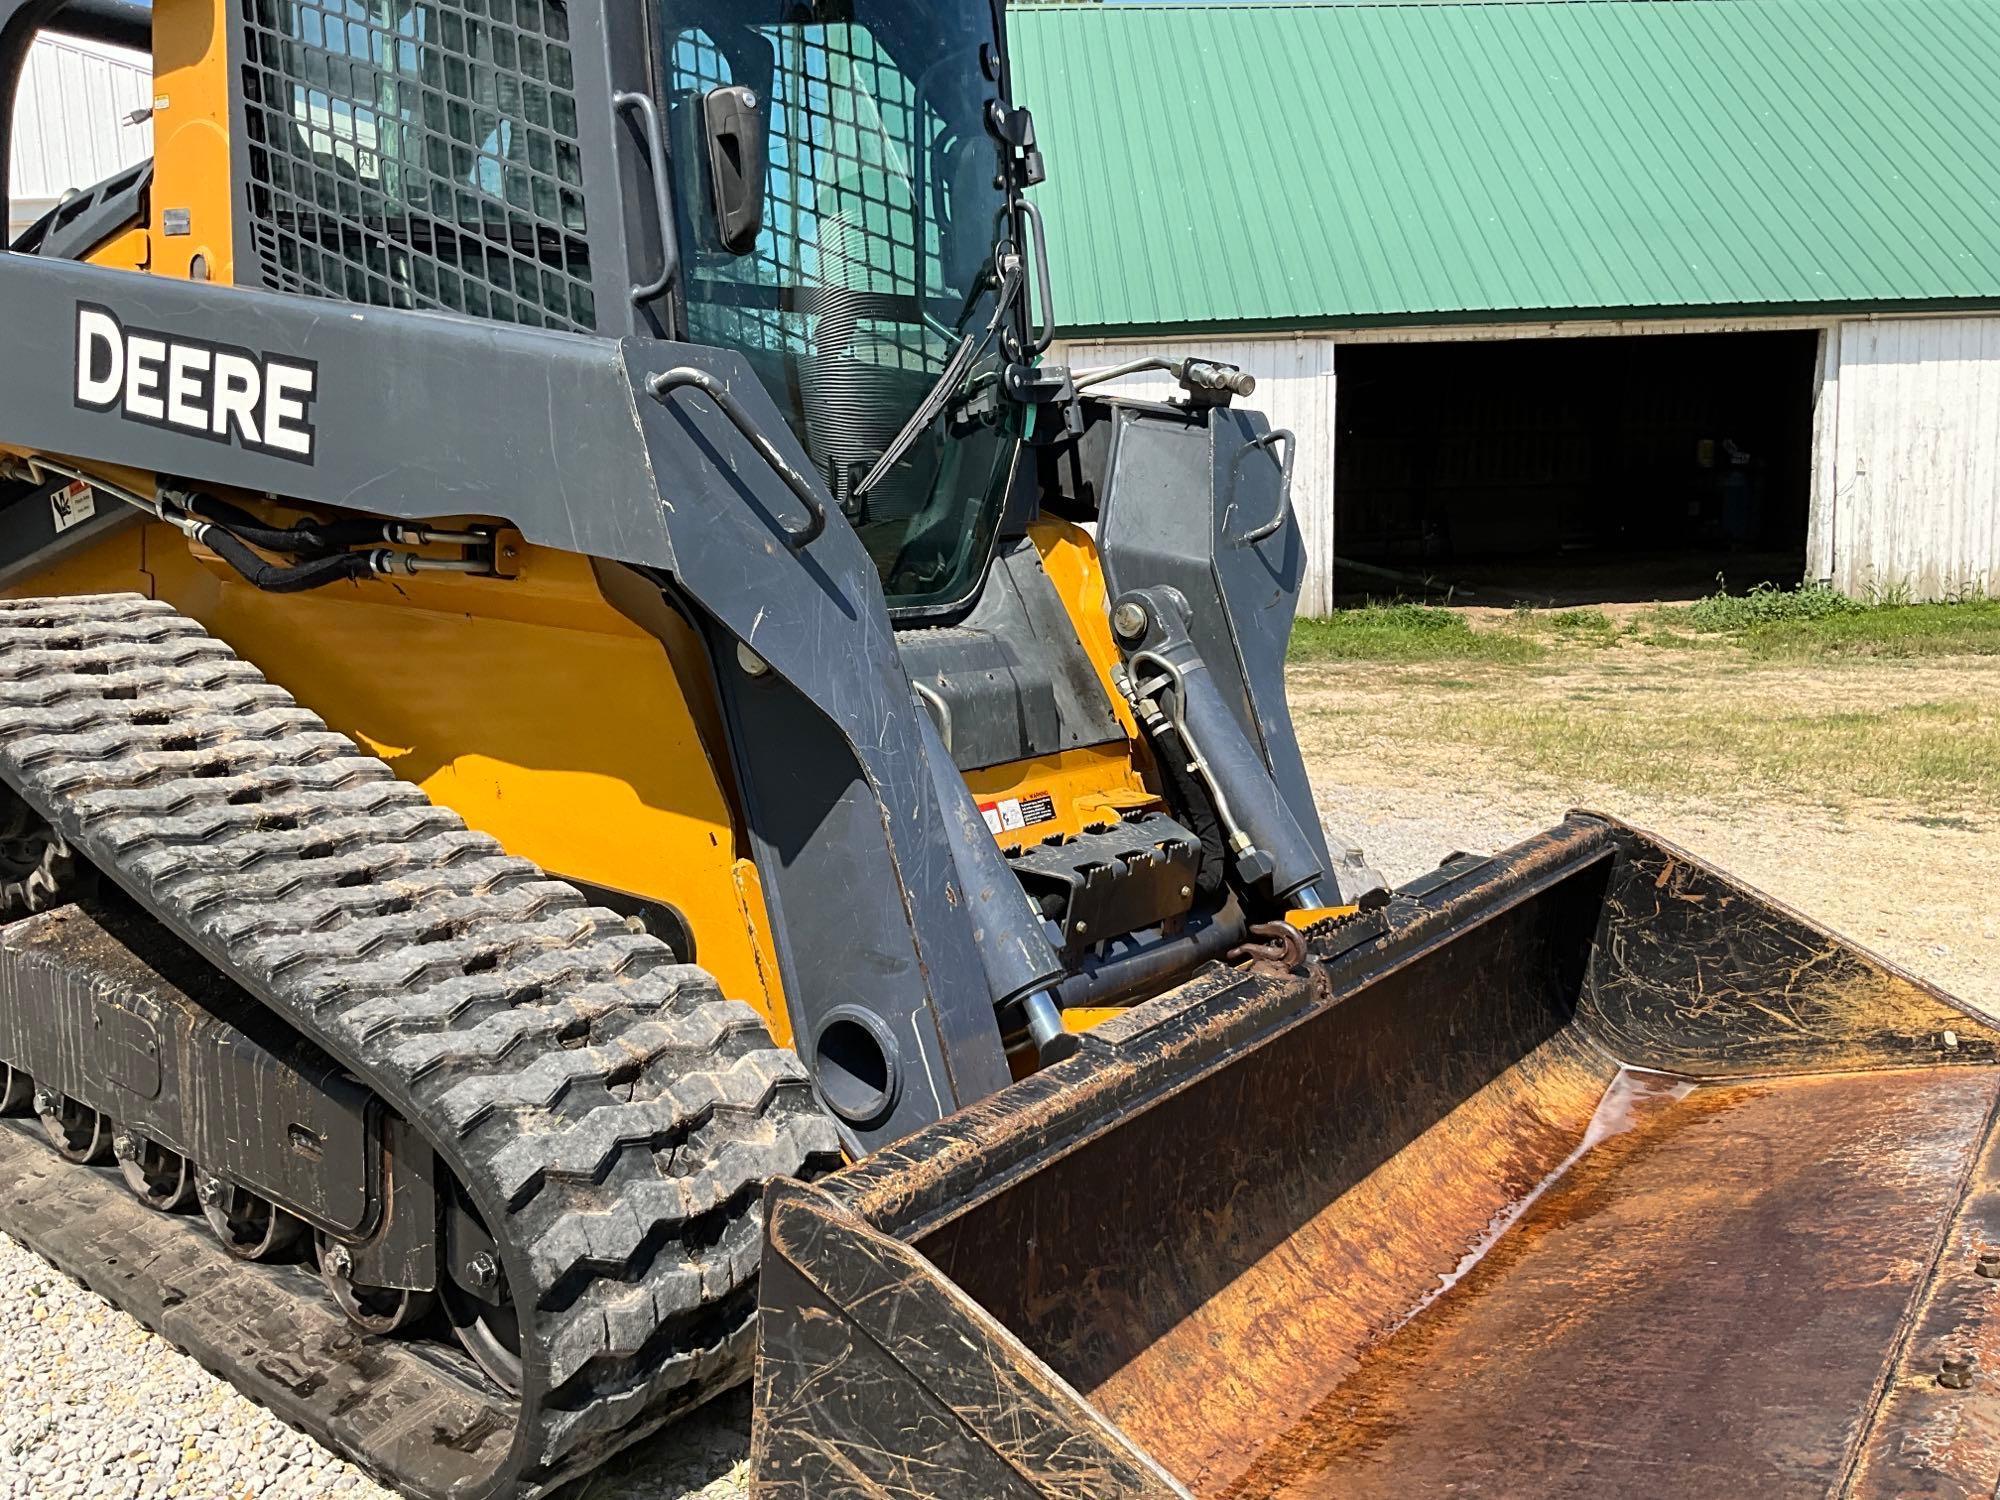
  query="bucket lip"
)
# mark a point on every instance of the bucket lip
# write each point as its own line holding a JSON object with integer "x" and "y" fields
{"x": 1179, "y": 1038}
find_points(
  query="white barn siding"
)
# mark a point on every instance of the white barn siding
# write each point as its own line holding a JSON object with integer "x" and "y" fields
{"x": 1906, "y": 436}
{"x": 70, "y": 127}
{"x": 1915, "y": 486}
{"x": 1295, "y": 389}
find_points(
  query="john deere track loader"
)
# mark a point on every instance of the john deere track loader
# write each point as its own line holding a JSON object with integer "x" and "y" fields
{"x": 582, "y": 714}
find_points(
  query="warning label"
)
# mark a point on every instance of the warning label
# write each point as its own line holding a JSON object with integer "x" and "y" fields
{"x": 1011, "y": 813}
{"x": 72, "y": 505}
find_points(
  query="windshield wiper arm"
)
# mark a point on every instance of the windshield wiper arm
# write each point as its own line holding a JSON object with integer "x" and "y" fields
{"x": 941, "y": 393}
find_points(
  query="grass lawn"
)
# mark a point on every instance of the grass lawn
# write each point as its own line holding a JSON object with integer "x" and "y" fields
{"x": 1406, "y": 633}
{"x": 1891, "y": 631}
{"x": 1806, "y": 625}
{"x": 1805, "y": 694}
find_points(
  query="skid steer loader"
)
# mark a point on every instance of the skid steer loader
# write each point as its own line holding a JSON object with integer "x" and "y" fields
{"x": 609, "y": 779}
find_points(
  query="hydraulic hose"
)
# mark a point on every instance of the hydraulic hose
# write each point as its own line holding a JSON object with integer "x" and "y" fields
{"x": 301, "y": 539}
{"x": 274, "y": 578}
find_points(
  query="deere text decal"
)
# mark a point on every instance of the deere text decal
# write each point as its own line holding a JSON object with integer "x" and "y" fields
{"x": 260, "y": 402}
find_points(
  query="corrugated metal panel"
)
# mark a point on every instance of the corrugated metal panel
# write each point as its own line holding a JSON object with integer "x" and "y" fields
{"x": 1916, "y": 457}
{"x": 69, "y": 121}
{"x": 1295, "y": 389}
{"x": 1278, "y": 166}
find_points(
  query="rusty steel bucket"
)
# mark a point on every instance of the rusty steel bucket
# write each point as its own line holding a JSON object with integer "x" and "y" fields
{"x": 1579, "y": 1171}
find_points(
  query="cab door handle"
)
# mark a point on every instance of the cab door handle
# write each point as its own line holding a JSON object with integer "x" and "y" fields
{"x": 656, "y": 163}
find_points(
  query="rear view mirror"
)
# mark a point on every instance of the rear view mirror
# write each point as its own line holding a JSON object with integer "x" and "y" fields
{"x": 739, "y": 164}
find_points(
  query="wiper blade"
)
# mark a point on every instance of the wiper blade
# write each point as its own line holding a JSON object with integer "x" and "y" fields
{"x": 934, "y": 404}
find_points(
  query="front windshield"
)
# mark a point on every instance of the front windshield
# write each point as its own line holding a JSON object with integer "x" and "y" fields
{"x": 879, "y": 217}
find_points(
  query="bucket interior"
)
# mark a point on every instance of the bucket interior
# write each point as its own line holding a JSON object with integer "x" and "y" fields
{"x": 1626, "y": 1173}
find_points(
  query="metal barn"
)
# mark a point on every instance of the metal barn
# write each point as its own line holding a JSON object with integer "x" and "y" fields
{"x": 75, "y": 122}
{"x": 1599, "y": 296}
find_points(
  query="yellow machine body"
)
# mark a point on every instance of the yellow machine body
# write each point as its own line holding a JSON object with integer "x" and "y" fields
{"x": 576, "y": 735}
{"x": 532, "y": 705}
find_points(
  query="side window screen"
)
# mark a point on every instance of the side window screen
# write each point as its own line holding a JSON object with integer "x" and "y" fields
{"x": 418, "y": 155}
{"x": 843, "y": 228}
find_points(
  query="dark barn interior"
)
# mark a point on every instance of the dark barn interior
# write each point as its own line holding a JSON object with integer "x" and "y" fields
{"x": 1574, "y": 471}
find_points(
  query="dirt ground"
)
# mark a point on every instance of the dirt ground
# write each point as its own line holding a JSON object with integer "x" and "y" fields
{"x": 1412, "y": 763}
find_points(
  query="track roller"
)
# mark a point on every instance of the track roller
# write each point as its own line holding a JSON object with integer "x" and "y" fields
{"x": 17, "y": 1091}
{"x": 478, "y": 1302}
{"x": 77, "y": 1131}
{"x": 372, "y": 1309}
{"x": 479, "y": 1305}
{"x": 250, "y": 1227}
{"x": 159, "y": 1178}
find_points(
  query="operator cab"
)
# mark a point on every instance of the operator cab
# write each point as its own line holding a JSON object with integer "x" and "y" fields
{"x": 841, "y": 210}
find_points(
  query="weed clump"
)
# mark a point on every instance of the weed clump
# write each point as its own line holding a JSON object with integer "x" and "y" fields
{"x": 1765, "y": 605}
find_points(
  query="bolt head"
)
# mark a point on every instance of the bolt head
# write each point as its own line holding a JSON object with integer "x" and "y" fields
{"x": 339, "y": 1260}
{"x": 752, "y": 664}
{"x": 482, "y": 1271}
{"x": 1129, "y": 620}
{"x": 209, "y": 1190}
{"x": 124, "y": 1147}
{"x": 47, "y": 1102}
{"x": 1988, "y": 1265}
{"x": 1955, "y": 1371}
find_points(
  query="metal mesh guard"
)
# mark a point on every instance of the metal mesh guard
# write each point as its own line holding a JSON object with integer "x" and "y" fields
{"x": 418, "y": 154}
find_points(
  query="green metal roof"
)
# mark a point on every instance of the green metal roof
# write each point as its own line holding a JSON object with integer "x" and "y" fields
{"x": 1284, "y": 166}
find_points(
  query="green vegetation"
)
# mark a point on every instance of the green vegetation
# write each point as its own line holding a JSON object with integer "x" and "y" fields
{"x": 1406, "y": 632}
{"x": 1581, "y": 622}
{"x": 1814, "y": 622}
{"x": 1765, "y": 605}
{"x": 1571, "y": 627}
{"x": 1895, "y": 630}
{"x": 1805, "y": 624}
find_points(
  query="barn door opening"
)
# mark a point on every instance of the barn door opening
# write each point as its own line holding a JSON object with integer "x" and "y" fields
{"x": 1574, "y": 471}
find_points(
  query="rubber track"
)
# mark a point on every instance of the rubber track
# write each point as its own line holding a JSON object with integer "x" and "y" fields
{"x": 612, "y": 1116}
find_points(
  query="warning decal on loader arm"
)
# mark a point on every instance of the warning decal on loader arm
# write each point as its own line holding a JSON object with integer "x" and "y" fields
{"x": 72, "y": 505}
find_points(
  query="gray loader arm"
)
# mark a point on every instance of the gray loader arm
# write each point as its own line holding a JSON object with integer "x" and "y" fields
{"x": 897, "y": 939}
